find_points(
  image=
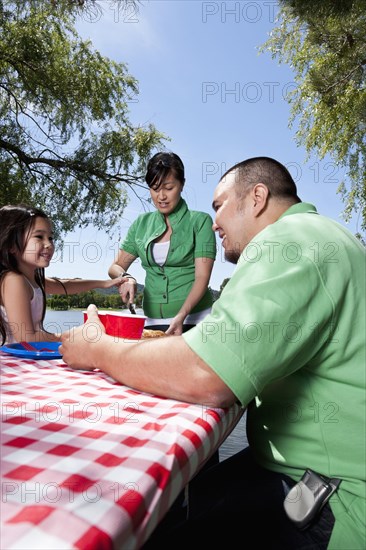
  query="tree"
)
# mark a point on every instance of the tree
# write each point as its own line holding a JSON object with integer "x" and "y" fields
{"x": 66, "y": 142}
{"x": 325, "y": 44}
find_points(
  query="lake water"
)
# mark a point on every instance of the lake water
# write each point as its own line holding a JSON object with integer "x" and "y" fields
{"x": 60, "y": 321}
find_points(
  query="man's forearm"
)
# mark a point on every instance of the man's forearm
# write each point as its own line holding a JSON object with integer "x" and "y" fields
{"x": 166, "y": 367}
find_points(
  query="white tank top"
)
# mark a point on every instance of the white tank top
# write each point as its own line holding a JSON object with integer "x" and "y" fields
{"x": 36, "y": 310}
{"x": 160, "y": 252}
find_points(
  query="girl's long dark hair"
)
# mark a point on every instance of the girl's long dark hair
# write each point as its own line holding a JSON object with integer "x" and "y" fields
{"x": 16, "y": 222}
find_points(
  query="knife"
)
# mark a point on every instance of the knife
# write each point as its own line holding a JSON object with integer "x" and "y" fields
{"x": 132, "y": 309}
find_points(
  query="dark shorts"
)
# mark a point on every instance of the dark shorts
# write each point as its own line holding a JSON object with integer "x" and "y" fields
{"x": 237, "y": 501}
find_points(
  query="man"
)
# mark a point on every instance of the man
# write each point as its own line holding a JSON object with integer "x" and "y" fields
{"x": 287, "y": 340}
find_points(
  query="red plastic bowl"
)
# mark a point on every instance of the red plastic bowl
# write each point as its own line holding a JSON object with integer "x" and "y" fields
{"x": 102, "y": 316}
{"x": 125, "y": 325}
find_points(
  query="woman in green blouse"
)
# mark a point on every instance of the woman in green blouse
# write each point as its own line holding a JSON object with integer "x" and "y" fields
{"x": 177, "y": 249}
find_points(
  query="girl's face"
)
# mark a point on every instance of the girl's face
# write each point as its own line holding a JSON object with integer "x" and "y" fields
{"x": 38, "y": 246}
{"x": 168, "y": 194}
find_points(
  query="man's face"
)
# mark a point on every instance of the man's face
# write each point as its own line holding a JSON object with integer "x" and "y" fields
{"x": 234, "y": 220}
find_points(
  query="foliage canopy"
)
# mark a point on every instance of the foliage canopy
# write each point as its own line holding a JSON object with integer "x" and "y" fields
{"x": 325, "y": 43}
{"x": 66, "y": 142}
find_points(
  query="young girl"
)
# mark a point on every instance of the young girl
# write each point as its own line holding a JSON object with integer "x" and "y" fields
{"x": 26, "y": 249}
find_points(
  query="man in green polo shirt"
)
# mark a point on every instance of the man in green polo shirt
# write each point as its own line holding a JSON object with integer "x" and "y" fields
{"x": 287, "y": 340}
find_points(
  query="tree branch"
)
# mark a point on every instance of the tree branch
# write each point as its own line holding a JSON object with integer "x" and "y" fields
{"x": 76, "y": 166}
{"x": 344, "y": 79}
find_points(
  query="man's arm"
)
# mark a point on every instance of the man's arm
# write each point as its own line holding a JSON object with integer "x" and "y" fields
{"x": 162, "y": 366}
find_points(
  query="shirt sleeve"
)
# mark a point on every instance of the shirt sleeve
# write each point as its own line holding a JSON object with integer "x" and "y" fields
{"x": 129, "y": 242}
{"x": 271, "y": 319}
{"x": 205, "y": 241}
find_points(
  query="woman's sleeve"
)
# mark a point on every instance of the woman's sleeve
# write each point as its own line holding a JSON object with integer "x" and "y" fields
{"x": 129, "y": 243}
{"x": 205, "y": 241}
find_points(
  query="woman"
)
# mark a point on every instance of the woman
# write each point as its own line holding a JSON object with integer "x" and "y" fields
{"x": 177, "y": 249}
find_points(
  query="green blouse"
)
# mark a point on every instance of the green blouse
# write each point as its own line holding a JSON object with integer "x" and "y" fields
{"x": 167, "y": 286}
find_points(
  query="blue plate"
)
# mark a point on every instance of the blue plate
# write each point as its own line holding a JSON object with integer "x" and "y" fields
{"x": 42, "y": 350}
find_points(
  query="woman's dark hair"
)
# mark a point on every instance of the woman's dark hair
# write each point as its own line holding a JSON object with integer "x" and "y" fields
{"x": 16, "y": 222}
{"x": 160, "y": 165}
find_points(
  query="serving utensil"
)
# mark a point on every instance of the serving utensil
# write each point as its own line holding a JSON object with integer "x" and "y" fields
{"x": 132, "y": 308}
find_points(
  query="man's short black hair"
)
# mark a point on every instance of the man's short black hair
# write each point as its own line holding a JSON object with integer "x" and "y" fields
{"x": 264, "y": 170}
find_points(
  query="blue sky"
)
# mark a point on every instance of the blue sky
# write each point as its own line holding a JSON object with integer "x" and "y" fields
{"x": 202, "y": 82}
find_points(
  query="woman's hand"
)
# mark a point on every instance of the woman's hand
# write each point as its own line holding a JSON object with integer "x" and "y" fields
{"x": 127, "y": 290}
{"x": 127, "y": 287}
{"x": 176, "y": 326}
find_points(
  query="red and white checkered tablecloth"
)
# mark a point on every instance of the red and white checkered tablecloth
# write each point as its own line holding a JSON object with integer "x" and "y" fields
{"x": 87, "y": 463}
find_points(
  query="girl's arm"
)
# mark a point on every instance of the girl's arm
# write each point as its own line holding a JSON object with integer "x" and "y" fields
{"x": 74, "y": 286}
{"x": 16, "y": 297}
{"x": 203, "y": 270}
{"x": 120, "y": 265}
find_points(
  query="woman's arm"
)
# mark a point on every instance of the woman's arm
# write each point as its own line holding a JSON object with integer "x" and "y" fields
{"x": 16, "y": 296}
{"x": 120, "y": 265}
{"x": 203, "y": 270}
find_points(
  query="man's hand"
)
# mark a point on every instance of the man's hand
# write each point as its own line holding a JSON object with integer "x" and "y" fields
{"x": 78, "y": 345}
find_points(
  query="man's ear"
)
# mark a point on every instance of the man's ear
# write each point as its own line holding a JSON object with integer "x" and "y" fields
{"x": 260, "y": 196}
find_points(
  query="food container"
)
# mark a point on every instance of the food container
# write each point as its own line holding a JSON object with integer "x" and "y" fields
{"x": 102, "y": 316}
{"x": 125, "y": 325}
{"x": 121, "y": 324}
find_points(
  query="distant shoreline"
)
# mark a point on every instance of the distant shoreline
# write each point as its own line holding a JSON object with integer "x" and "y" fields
{"x": 81, "y": 309}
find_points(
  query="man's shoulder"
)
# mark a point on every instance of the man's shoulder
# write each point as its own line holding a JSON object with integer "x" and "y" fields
{"x": 319, "y": 227}
{"x": 307, "y": 224}
{"x": 308, "y": 236}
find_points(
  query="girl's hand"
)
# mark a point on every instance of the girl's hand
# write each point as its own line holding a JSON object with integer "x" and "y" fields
{"x": 117, "y": 281}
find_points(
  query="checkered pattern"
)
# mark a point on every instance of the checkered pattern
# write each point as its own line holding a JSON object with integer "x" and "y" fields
{"x": 89, "y": 463}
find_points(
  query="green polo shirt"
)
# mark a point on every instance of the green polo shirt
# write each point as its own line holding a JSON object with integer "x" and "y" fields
{"x": 167, "y": 287}
{"x": 288, "y": 337}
